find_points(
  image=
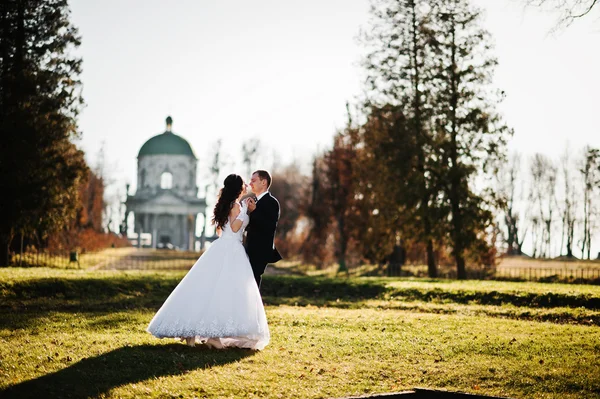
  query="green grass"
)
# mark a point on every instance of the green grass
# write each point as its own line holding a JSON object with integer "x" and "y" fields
{"x": 77, "y": 333}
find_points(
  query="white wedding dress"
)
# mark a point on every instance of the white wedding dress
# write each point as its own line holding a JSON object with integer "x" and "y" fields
{"x": 217, "y": 302}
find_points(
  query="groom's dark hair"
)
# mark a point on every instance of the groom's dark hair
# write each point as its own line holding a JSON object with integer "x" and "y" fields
{"x": 264, "y": 175}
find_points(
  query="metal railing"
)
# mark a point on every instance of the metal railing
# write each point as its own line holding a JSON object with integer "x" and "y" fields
{"x": 112, "y": 259}
{"x": 581, "y": 274}
{"x": 149, "y": 259}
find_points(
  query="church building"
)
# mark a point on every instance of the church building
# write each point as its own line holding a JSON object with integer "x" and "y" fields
{"x": 166, "y": 202}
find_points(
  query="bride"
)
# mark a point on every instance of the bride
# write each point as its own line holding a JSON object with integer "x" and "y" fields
{"x": 218, "y": 303}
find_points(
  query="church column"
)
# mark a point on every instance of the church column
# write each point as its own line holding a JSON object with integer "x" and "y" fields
{"x": 147, "y": 223}
{"x": 193, "y": 220}
{"x": 138, "y": 229}
{"x": 182, "y": 231}
{"x": 153, "y": 229}
{"x": 203, "y": 233}
{"x": 186, "y": 232}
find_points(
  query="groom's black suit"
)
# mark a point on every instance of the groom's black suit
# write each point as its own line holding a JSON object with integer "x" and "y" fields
{"x": 260, "y": 234}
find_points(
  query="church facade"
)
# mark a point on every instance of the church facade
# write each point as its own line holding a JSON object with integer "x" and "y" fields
{"x": 166, "y": 202}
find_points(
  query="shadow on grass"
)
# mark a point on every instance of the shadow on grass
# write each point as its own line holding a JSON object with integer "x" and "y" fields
{"x": 35, "y": 297}
{"x": 138, "y": 292}
{"x": 327, "y": 291}
{"x": 94, "y": 376}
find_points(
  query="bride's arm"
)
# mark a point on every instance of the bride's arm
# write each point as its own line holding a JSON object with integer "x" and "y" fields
{"x": 236, "y": 215}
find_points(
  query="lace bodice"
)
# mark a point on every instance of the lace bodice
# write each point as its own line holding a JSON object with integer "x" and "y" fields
{"x": 243, "y": 216}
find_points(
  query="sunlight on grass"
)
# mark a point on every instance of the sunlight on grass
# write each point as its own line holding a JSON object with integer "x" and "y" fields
{"x": 314, "y": 352}
{"x": 82, "y": 333}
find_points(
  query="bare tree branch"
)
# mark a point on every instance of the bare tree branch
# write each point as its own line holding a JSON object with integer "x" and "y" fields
{"x": 569, "y": 10}
{"x": 586, "y": 11}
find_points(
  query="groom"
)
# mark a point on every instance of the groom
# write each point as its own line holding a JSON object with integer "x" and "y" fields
{"x": 260, "y": 232}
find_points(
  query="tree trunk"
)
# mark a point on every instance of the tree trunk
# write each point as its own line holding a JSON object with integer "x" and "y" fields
{"x": 589, "y": 245}
{"x": 4, "y": 254}
{"x": 21, "y": 251}
{"x": 343, "y": 245}
{"x": 520, "y": 246}
{"x": 455, "y": 175}
{"x": 396, "y": 260}
{"x": 585, "y": 225}
{"x": 570, "y": 234}
{"x": 425, "y": 214}
{"x": 431, "y": 266}
{"x": 5, "y": 249}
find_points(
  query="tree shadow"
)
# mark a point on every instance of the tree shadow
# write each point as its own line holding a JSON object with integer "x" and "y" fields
{"x": 25, "y": 302}
{"x": 97, "y": 375}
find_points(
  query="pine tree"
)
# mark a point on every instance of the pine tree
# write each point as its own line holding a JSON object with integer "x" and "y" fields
{"x": 387, "y": 199}
{"x": 399, "y": 66}
{"x": 471, "y": 133}
{"x": 315, "y": 248}
{"x": 40, "y": 97}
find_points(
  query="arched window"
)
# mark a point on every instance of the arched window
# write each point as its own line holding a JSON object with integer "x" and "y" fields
{"x": 166, "y": 181}
{"x": 143, "y": 178}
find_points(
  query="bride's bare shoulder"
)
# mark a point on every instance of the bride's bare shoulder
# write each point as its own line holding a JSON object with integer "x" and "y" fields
{"x": 235, "y": 210}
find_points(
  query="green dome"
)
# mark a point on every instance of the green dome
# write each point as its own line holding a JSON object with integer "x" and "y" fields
{"x": 167, "y": 143}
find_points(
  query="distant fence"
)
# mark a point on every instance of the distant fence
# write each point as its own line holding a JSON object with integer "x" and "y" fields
{"x": 148, "y": 259}
{"x": 588, "y": 274}
{"x": 112, "y": 259}
{"x": 583, "y": 275}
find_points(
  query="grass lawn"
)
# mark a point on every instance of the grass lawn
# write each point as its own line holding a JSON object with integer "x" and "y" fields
{"x": 78, "y": 333}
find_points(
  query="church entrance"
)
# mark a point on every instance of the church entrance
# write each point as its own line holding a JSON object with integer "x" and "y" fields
{"x": 164, "y": 242}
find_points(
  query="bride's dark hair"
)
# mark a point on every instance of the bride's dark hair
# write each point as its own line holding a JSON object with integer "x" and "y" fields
{"x": 232, "y": 188}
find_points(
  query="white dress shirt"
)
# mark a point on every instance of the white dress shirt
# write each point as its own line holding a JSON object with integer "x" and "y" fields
{"x": 258, "y": 197}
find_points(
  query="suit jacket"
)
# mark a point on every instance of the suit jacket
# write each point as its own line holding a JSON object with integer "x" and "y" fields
{"x": 260, "y": 232}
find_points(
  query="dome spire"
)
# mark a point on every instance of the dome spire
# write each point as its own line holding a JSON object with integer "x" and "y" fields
{"x": 169, "y": 123}
{"x": 167, "y": 143}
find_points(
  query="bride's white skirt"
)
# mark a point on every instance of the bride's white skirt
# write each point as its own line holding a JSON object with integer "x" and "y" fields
{"x": 217, "y": 302}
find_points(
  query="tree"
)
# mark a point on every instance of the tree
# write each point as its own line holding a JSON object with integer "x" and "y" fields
{"x": 315, "y": 248}
{"x": 569, "y": 207}
{"x": 289, "y": 185}
{"x": 92, "y": 202}
{"x": 543, "y": 180}
{"x": 213, "y": 183}
{"x": 508, "y": 197}
{"x": 250, "y": 152}
{"x": 386, "y": 190}
{"x": 86, "y": 232}
{"x": 551, "y": 204}
{"x": 398, "y": 68}
{"x": 589, "y": 167}
{"x": 112, "y": 200}
{"x": 340, "y": 191}
{"x": 470, "y": 132}
{"x": 40, "y": 168}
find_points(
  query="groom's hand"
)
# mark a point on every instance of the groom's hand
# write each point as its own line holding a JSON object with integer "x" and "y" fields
{"x": 251, "y": 204}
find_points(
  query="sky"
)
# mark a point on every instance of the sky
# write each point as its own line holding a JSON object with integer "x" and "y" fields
{"x": 282, "y": 71}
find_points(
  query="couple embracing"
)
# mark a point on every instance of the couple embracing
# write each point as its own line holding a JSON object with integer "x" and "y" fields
{"x": 218, "y": 302}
